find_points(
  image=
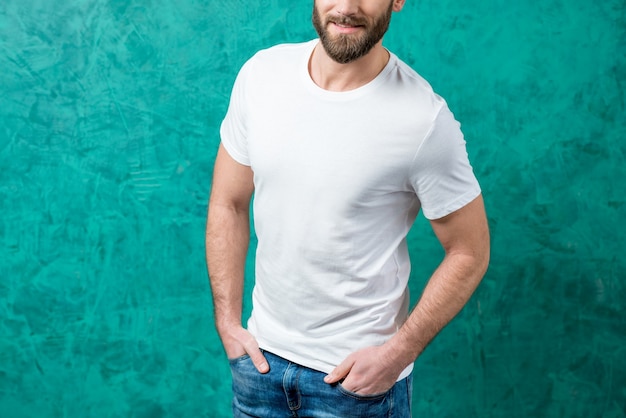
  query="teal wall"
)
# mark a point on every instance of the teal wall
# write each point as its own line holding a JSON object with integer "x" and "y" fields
{"x": 109, "y": 116}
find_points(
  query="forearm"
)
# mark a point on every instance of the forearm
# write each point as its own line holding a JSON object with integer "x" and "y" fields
{"x": 376, "y": 369}
{"x": 445, "y": 294}
{"x": 227, "y": 238}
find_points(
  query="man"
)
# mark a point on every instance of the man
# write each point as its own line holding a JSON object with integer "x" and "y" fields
{"x": 342, "y": 145}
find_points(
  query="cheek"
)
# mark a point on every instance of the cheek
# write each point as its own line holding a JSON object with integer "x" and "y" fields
{"x": 323, "y": 7}
{"x": 374, "y": 10}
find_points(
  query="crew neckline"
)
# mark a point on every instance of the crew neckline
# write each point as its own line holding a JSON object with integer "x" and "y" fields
{"x": 342, "y": 95}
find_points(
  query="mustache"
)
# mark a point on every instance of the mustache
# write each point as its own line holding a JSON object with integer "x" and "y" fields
{"x": 347, "y": 20}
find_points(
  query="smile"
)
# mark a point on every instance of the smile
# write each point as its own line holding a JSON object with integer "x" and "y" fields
{"x": 346, "y": 28}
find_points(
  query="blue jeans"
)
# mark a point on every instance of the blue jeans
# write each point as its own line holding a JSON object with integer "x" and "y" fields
{"x": 291, "y": 390}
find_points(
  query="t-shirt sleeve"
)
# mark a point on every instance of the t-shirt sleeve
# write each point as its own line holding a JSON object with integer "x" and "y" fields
{"x": 233, "y": 131}
{"x": 441, "y": 172}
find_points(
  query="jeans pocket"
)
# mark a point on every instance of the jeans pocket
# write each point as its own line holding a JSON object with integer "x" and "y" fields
{"x": 354, "y": 395}
{"x": 233, "y": 361}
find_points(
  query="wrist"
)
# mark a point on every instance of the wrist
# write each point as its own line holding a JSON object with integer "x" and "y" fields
{"x": 227, "y": 327}
{"x": 401, "y": 352}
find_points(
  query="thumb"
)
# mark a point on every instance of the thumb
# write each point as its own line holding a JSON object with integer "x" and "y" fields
{"x": 259, "y": 360}
{"x": 340, "y": 371}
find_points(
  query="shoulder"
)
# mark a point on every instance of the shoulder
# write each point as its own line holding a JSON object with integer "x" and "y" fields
{"x": 413, "y": 92}
{"x": 281, "y": 54}
{"x": 409, "y": 75}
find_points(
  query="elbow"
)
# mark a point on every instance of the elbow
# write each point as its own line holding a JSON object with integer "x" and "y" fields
{"x": 482, "y": 256}
{"x": 483, "y": 264}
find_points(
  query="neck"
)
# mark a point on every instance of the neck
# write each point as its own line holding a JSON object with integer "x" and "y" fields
{"x": 333, "y": 76}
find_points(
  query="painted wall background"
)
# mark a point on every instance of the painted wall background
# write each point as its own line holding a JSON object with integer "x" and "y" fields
{"x": 109, "y": 116}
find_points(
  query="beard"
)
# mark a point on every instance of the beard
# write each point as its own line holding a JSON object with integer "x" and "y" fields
{"x": 345, "y": 48}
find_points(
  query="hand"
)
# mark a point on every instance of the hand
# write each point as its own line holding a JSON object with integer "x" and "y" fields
{"x": 238, "y": 342}
{"x": 368, "y": 371}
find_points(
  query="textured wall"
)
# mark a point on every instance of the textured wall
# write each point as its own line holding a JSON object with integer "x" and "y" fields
{"x": 109, "y": 111}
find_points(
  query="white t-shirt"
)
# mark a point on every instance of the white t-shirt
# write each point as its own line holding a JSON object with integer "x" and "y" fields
{"x": 339, "y": 179}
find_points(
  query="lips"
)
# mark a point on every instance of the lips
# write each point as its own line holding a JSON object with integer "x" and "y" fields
{"x": 347, "y": 22}
{"x": 341, "y": 25}
{"x": 347, "y": 26}
{"x": 346, "y": 29}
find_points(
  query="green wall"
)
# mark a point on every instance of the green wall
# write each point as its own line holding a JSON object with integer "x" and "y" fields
{"x": 109, "y": 117}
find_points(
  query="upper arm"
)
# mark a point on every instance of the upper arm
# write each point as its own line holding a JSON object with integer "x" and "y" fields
{"x": 465, "y": 231}
{"x": 232, "y": 182}
{"x": 441, "y": 174}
